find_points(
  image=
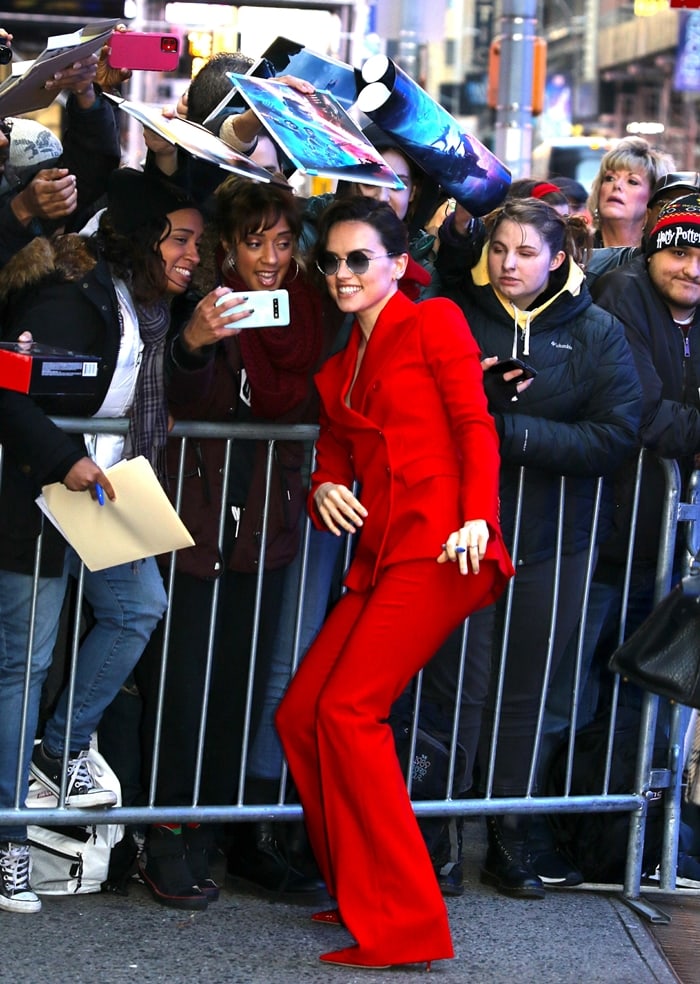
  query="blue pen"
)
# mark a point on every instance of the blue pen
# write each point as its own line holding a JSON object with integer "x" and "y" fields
{"x": 100, "y": 492}
{"x": 457, "y": 549}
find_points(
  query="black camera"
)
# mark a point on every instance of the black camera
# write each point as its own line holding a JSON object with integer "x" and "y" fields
{"x": 5, "y": 54}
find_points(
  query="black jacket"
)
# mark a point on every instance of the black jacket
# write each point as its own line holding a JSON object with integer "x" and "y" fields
{"x": 79, "y": 314}
{"x": 606, "y": 258}
{"x": 670, "y": 423}
{"x": 578, "y": 418}
{"x": 669, "y": 372}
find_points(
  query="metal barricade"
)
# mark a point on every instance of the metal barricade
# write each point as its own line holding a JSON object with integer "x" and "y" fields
{"x": 634, "y": 802}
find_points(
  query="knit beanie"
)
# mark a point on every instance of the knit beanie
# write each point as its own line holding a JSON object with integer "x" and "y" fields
{"x": 678, "y": 224}
{"x": 32, "y": 147}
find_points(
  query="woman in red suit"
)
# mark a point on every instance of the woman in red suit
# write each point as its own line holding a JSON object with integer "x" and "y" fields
{"x": 403, "y": 413}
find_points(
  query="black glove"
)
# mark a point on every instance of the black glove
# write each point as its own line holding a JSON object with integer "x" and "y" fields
{"x": 500, "y": 392}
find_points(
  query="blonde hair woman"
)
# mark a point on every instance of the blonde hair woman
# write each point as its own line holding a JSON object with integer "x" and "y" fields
{"x": 622, "y": 188}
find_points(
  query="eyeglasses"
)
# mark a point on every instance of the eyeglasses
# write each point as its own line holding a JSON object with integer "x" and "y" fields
{"x": 6, "y": 127}
{"x": 356, "y": 261}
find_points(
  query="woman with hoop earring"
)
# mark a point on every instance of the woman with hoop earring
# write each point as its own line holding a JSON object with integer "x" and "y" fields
{"x": 215, "y": 371}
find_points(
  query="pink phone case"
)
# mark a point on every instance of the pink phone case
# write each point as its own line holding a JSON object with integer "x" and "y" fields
{"x": 144, "y": 50}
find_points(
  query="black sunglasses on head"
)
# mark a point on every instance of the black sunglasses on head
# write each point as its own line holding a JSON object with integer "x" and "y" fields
{"x": 356, "y": 261}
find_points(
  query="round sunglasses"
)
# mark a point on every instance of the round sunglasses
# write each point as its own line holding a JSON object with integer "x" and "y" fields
{"x": 356, "y": 261}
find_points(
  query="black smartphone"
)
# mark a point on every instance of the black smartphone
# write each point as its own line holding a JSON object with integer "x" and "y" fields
{"x": 507, "y": 365}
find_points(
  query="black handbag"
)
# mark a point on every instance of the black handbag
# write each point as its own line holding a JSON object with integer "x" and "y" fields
{"x": 663, "y": 654}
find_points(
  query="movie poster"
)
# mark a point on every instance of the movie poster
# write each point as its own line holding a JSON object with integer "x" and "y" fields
{"x": 463, "y": 166}
{"x": 315, "y": 132}
{"x": 192, "y": 138}
{"x": 285, "y": 57}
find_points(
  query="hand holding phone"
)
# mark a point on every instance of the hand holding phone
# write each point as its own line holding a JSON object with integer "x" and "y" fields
{"x": 501, "y": 393}
{"x": 269, "y": 309}
{"x": 144, "y": 50}
{"x": 503, "y": 366}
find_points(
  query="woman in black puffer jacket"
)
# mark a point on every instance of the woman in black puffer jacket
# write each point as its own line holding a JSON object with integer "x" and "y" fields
{"x": 525, "y": 296}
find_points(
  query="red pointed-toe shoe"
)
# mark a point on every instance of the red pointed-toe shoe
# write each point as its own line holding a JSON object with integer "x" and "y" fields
{"x": 352, "y": 956}
{"x": 330, "y": 917}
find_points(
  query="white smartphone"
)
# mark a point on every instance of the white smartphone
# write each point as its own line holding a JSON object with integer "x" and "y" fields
{"x": 270, "y": 308}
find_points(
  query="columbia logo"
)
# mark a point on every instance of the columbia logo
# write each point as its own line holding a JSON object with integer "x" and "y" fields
{"x": 564, "y": 345}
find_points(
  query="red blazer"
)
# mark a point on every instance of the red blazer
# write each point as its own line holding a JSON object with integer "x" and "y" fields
{"x": 418, "y": 437}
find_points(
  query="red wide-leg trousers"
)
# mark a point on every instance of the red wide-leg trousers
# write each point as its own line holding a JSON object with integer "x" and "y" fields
{"x": 333, "y": 726}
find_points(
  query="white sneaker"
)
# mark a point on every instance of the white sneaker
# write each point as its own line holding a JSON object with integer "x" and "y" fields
{"x": 16, "y": 894}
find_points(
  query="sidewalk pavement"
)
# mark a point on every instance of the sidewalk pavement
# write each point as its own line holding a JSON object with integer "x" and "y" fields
{"x": 573, "y": 936}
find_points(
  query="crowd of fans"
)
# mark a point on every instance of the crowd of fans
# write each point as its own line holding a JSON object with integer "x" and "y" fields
{"x": 150, "y": 270}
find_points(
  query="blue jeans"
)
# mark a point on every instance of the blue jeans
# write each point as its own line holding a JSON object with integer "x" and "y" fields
{"x": 265, "y": 758}
{"x": 128, "y": 601}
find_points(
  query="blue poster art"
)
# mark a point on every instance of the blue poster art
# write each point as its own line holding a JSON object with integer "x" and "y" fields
{"x": 687, "y": 74}
{"x": 285, "y": 57}
{"x": 463, "y": 166}
{"x": 315, "y": 132}
{"x": 556, "y": 118}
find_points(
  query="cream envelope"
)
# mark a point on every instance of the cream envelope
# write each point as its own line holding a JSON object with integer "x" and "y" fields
{"x": 140, "y": 523}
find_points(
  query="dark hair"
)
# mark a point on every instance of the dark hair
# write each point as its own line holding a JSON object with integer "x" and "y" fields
{"x": 380, "y": 215}
{"x": 384, "y": 141}
{"x": 567, "y": 233}
{"x": 210, "y": 84}
{"x": 244, "y": 206}
{"x": 427, "y": 193}
{"x": 135, "y": 258}
{"x": 346, "y": 189}
{"x": 525, "y": 188}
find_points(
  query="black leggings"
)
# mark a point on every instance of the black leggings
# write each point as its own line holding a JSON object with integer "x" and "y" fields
{"x": 441, "y": 675}
{"x": 525, "y": 664}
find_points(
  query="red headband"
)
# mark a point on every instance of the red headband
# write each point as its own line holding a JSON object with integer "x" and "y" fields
{"x": 545, "y": 188}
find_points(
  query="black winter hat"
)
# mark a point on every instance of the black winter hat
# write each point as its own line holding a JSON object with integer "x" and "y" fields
{"x": 678, "y": 225}
{"x": 135, "y": 198}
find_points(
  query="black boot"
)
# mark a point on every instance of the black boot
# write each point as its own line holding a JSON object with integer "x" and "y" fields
{"x": 298, "y": 850}
{"x": 198, "y": 845}
{"x": 123, "y": 864}
{"x": 507, "y": 864}
{"x": 165, "y": 870}
{"x": 257, "y": 860}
